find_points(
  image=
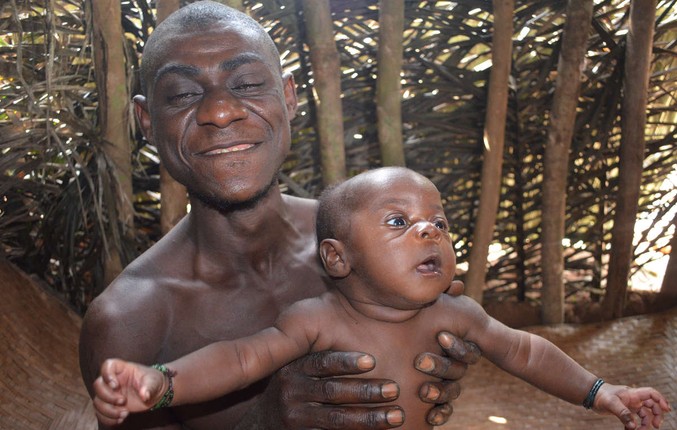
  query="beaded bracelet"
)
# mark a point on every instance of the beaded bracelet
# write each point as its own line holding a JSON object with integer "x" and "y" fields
{"x": 588, "y": 402}
{"x": 168, "y": 396}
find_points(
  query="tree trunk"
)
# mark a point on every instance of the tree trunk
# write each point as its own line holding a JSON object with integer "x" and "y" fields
{"x": 111, "y": 79}
{"x": 556, "y": 159}
{"x": 325, "y": 63}
{"x": 667, "y": 297}
{"x": 635, "y": 88}
{"x": 494, "y": 137}
{"x": 388, "y": 86}
{"x": 173, "y": 196}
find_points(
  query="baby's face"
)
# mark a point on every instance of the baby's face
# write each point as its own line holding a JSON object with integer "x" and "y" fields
{"x": 399, "y": 247}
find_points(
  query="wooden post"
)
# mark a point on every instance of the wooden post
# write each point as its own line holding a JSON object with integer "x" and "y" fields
{"x": 494, "y": 138}
{"x": 635, "y": 89}
{"x": 111, "y": 80}
{"x": 388, "y": 86}
{"x": 325, "y": 63}
{"x": 556, "y": 159}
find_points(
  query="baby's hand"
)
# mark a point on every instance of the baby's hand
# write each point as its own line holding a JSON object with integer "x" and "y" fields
{"x": 124, "y": 387}
{"x": 627, "y": 403}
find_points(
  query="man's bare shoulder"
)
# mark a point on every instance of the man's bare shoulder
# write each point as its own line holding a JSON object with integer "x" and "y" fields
{"x": 144, "y": 282}
{"x": 302, "y": 209}
{"x": 136, "y": 307}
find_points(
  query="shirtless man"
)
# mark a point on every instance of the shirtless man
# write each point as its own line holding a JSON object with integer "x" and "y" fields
{"x": 217, "y": 106}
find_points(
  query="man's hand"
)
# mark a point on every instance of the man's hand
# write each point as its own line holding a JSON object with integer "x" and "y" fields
{"x": 314, "y": 397}
{"x": 459, "y": 354}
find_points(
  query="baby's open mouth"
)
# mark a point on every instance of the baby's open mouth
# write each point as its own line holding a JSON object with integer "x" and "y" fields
{"x": 430, "y": 265}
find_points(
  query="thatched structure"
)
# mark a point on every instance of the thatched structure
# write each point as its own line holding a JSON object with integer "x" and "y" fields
{"x": 58, "y": 210}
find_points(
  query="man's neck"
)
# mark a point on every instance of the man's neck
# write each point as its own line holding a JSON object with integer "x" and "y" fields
{"x": 248, "y": 237}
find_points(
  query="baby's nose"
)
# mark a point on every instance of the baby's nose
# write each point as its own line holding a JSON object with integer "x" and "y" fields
{"x": 427, "y": 230}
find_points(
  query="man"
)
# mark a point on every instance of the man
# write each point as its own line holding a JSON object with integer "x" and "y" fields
{"x": 217, "y": 106}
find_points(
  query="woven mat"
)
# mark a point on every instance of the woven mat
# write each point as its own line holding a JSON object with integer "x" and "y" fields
{"x": 40, "y": 385}
{"x": 635, "y": 351}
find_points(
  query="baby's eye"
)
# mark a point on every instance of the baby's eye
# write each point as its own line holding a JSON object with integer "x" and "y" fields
{"x": 442, "y": 225}
{"x": 397, "y": 222}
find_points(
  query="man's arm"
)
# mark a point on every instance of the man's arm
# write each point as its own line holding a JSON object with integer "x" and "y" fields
{"x": 110, "y": 331}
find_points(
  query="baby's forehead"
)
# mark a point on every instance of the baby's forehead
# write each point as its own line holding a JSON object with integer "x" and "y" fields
{"x": 378, "y": 188}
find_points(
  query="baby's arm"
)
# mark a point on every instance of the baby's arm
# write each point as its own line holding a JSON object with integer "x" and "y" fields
{"x": 539, "y": 362}
{"x": 210, "y": 372}
{"x": 626, "y": 403}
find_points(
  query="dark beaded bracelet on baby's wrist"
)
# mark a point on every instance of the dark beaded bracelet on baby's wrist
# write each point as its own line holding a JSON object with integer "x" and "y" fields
{"x": 590, "y": 399}
{"x": 168, "y": 396}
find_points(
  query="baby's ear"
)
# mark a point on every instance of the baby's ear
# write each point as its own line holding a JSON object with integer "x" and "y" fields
{"x": 334, "y": 259}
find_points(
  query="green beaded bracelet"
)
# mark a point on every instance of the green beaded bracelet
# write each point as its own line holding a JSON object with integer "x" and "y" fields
{"x": 168, "y": 396}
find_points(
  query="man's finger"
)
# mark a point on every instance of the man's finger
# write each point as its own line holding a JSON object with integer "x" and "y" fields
{"x": 342, "y": 417}
{"x": 439, "y": 366}
{"x": 439, "y": 392}
{"x": 336, "y": 391}
{"x": 331, "y": 363}
{"x": 440, "y": 414}
{"x": 458, "y": 349}
{"x": 456, "y": 289}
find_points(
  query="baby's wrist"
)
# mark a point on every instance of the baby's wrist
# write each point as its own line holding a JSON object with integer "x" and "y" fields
{"x": 168, "y": 393}
{"x": 589, "y": 401}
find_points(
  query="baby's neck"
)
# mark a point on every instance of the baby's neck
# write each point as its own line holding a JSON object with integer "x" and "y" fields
{"x": 375, "y": 311}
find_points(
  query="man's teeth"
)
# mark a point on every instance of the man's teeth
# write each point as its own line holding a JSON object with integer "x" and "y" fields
{"x": 231, "y": 149}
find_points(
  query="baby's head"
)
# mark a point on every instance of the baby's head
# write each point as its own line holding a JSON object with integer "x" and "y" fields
{"x": 383, "y": 237}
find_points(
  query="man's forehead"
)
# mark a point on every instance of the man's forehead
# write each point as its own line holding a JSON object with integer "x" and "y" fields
{"x": 220, "y": 38}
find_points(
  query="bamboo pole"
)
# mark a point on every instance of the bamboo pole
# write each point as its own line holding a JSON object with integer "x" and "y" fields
{"x": 494, "y": 138}
{"x": 388, "y": 86}
{"x": 111, "y": 79}
{"x": 635, "y": 89}
{"x": 556, "y": 159}
{"x": 325, "y": 64}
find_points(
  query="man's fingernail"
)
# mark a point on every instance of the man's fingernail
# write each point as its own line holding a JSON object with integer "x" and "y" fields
{"x": 395, "y": 417}
{"x": 390, "y": 390}
{"x": 445, "y": 340}
{"x": 366, "y": 362}
{"x": 437, "y": 420}
{"x": 425, "y": 364}
{"x": 433, "y": 393}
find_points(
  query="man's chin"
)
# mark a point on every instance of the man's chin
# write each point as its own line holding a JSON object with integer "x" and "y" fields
{"x": 223, "y": 204}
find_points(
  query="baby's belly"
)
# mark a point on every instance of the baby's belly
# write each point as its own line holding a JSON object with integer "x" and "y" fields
{"x": 395, "y": 361}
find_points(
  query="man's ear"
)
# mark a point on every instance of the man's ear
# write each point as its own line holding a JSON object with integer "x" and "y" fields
{"x": 290, "y": 97}
{"x": 143, "y": 116}
{"x": 333, "y": 256}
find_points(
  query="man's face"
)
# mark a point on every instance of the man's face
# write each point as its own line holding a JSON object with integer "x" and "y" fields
{"x": 218, "y": 110}
{"x": 399, "y": 246}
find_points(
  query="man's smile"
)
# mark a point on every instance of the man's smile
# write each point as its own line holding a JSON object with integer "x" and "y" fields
{"x": 225, "y": 149}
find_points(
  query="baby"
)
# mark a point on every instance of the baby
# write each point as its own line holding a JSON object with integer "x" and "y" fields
{"x": 384, "y": 241}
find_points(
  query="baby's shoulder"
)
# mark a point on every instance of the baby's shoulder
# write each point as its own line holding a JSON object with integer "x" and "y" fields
{"x": 458, "y": 311}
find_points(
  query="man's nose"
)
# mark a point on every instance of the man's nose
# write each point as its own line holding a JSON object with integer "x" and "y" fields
{"x": 427, "y": 230}
{"x": 220, "y": 108}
